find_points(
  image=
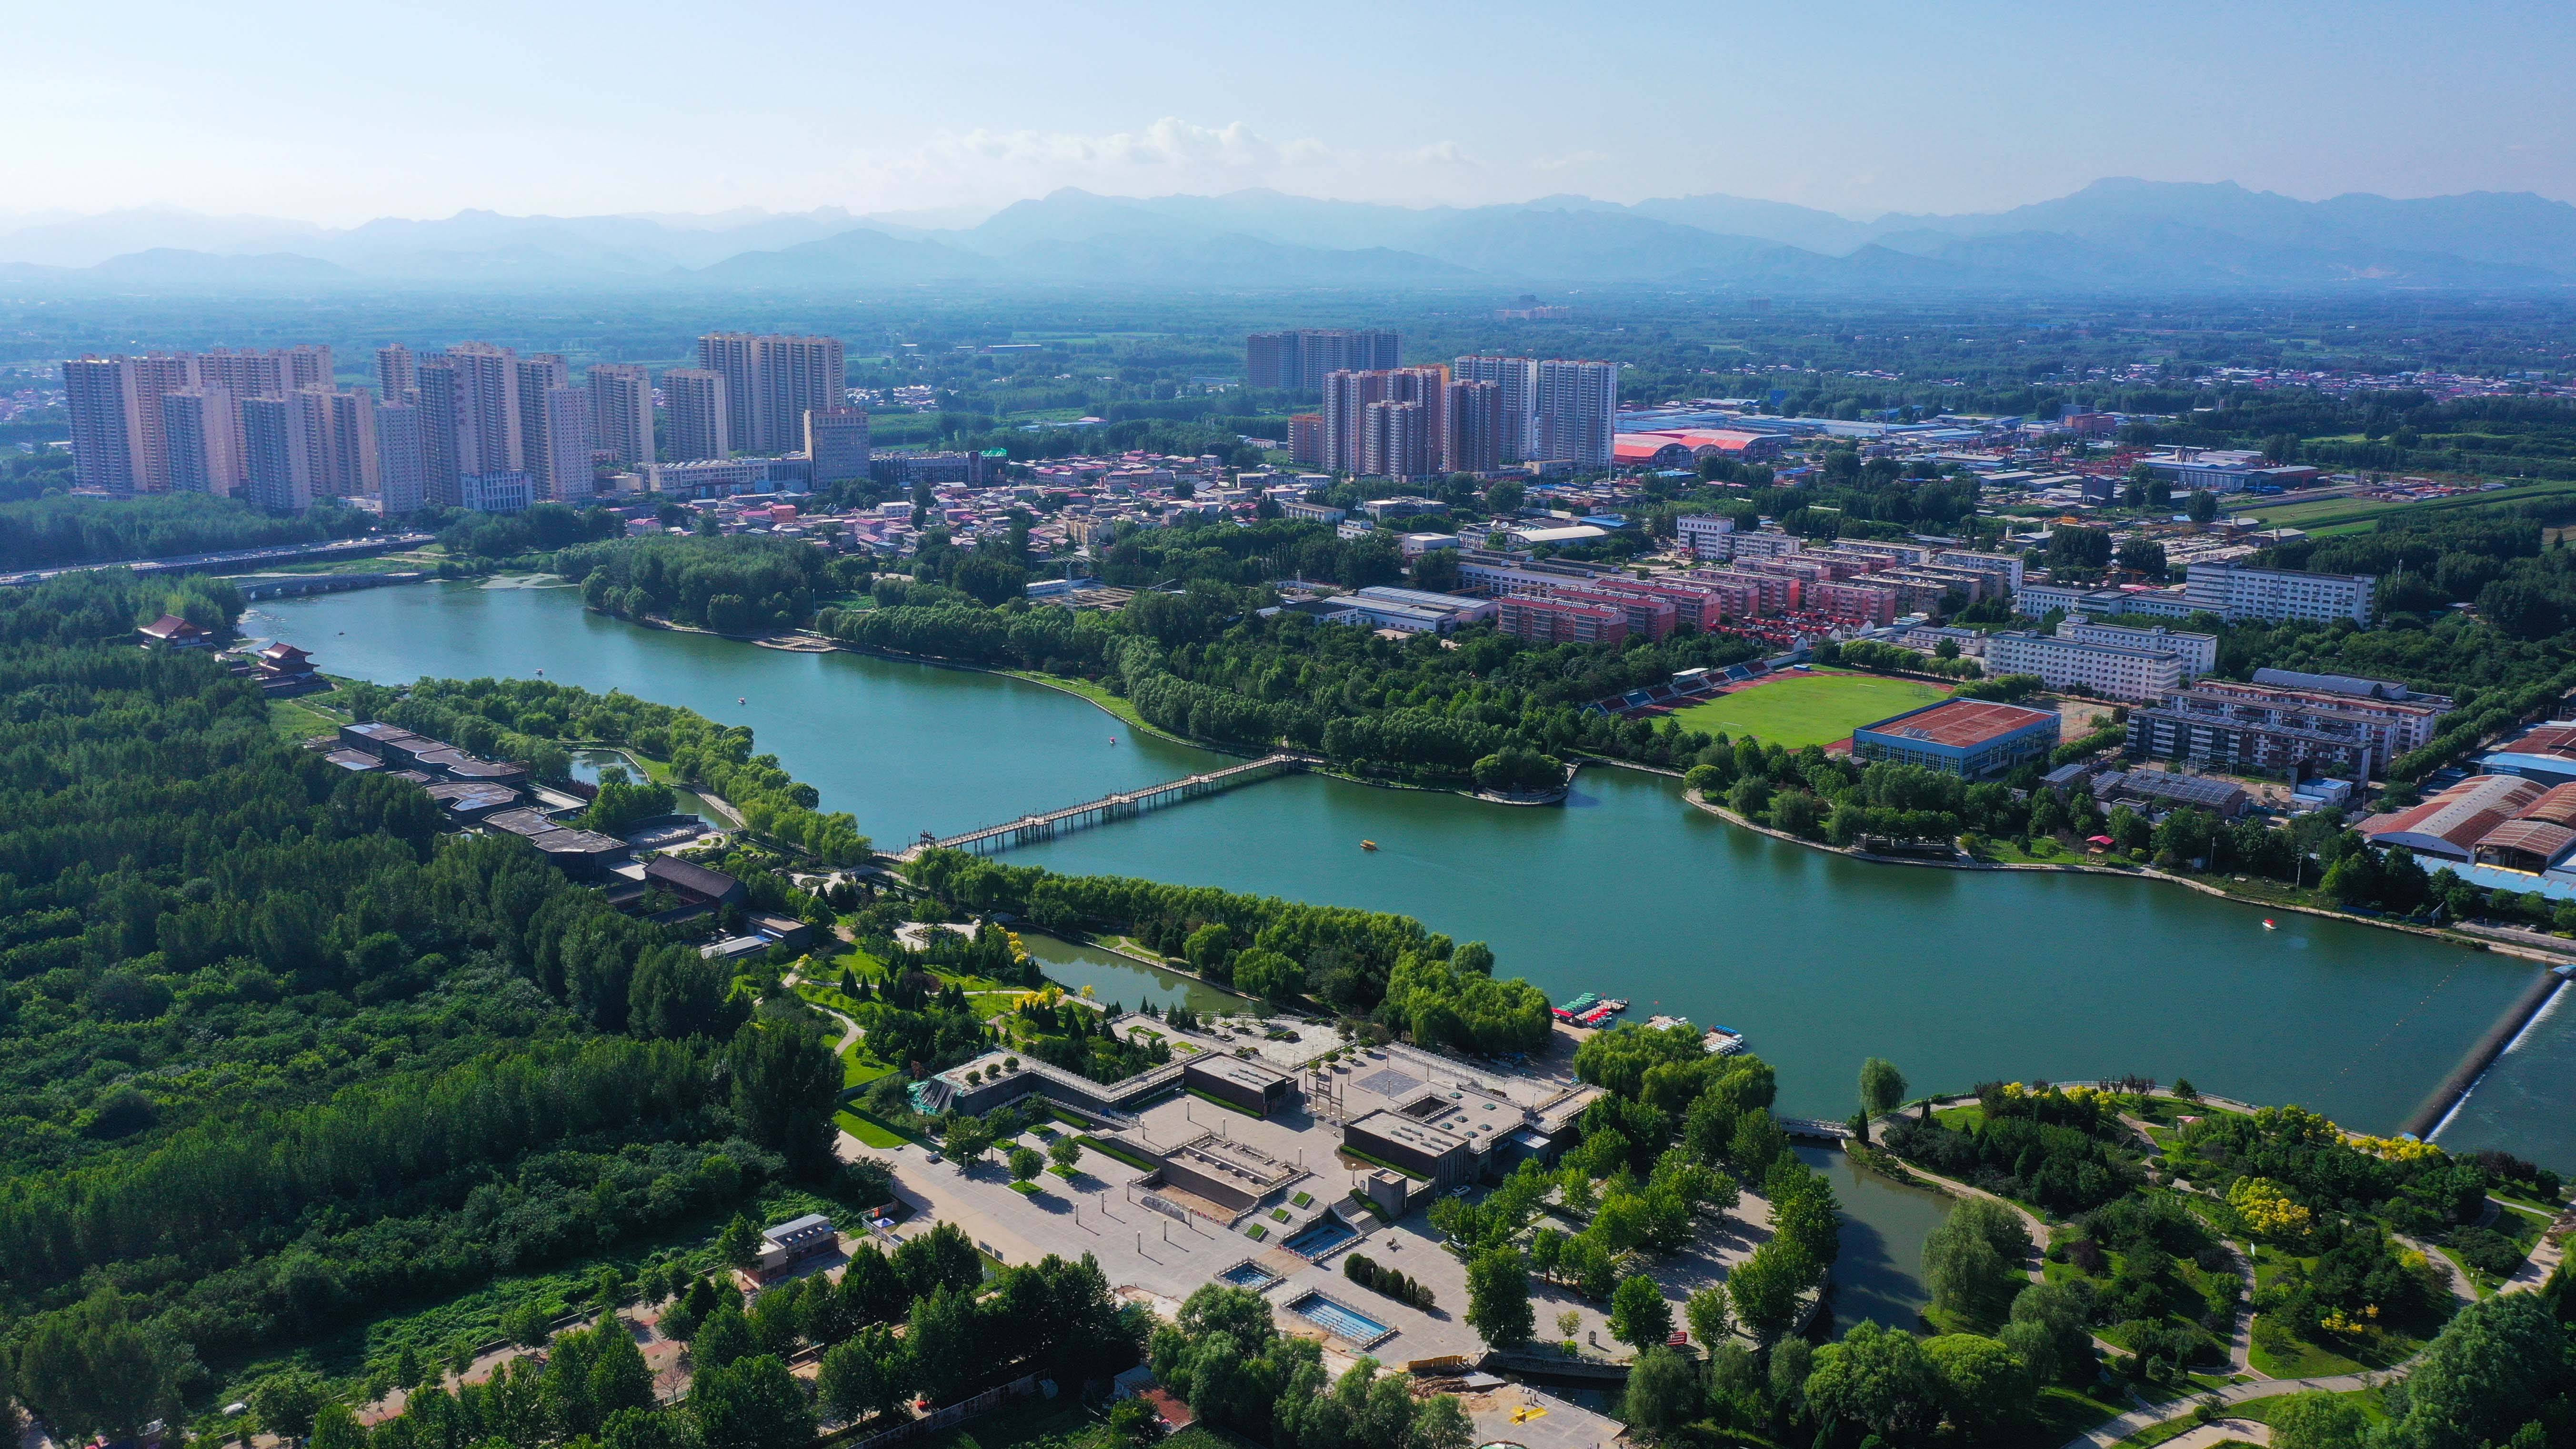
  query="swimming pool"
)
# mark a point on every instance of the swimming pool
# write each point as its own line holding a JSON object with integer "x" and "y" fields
{"x": 1328, "y": 1233}
{"x": 1248, "y": 1275}
{"x": 1348, "y": 1323}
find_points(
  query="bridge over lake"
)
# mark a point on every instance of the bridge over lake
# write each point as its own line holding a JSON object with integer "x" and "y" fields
{"x": 992, "y": 839}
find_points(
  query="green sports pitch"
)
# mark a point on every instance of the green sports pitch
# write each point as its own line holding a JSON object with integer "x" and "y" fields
{"x": 1814, "y": 708}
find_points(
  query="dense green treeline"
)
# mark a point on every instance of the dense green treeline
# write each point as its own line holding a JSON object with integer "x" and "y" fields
{"x": 1275, "y": 548}
{"x": 2426, "y": 562}
{"x": 51, "y": 532}
{"x": 737, "y": 584}
{"x": 541, "y": 528}
{"x": 1358, "y": 962}
{"x": 275, "y": 1054}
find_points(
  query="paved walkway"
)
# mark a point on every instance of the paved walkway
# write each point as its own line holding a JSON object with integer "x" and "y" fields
{"x": 2222, "y": 1431}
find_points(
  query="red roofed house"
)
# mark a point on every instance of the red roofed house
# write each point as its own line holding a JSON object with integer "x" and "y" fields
{"x": 172, "y": 632}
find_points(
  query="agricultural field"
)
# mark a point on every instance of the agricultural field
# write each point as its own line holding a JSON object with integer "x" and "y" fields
{"x": 1815, "y": 708}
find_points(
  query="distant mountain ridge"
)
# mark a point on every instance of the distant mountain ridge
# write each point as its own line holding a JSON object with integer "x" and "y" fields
{"x": 2116, "y": 234}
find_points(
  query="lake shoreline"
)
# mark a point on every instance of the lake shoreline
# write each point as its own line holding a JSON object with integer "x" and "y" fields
{"x": 2430, "y": 933}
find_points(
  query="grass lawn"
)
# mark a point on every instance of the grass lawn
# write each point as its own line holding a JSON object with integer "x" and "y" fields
{"x": 2063, "y": 1413}
{"x": 297, "y": 721}
{"x": 1097, "y": 694}
{"x": 2329, "y": 511}
{"x": 867, "y": 1129}
{"x": 1815, "y": 708}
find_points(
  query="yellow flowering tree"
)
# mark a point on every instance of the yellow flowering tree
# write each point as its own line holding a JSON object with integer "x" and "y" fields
{"x": 2268, "y": 1211}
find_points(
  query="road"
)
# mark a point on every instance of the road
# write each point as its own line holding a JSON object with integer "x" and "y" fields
{"x": 234, "y": 559}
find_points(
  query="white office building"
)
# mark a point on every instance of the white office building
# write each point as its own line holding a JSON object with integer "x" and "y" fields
{"x": 1709, "y": 536}
{"x": 2097, "y": 669}
{"x": 2199, "y": 652}
{"x": 508, "y": 492}
{"x": 2235, "y": 591}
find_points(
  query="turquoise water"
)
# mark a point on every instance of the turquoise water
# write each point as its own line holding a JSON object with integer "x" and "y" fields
{"x": 1350, "y": 1323}
{"x": 1327, "y": 1234}
{"x": 2521, "y": 1105}
{"x": 1820, "y": 960}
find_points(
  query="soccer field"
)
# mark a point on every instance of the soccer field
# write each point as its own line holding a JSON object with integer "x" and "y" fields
{"x": 1816, "y": 708}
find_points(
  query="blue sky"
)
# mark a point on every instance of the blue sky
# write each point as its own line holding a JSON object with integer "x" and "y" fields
{"x": 342, "y": 112}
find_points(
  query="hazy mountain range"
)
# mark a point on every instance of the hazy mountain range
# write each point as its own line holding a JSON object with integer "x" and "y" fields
{"x": 2116, "y": 235}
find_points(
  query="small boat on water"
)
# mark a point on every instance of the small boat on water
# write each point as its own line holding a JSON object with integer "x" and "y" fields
{"x": 1581, "y": 1004}
{"x": 745, "y": 700}
{"x": 1368, "y": 845}
{"x": 2268, "y": 924}
{"x": 1113, "y": 741}
{"x": 1722, "y": 1041}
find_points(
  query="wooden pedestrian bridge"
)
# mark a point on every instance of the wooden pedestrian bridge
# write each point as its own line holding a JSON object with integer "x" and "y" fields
{"x": 1028, "y": 829}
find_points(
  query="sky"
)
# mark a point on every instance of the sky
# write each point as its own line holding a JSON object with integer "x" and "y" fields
{"x": 335, "y": 114}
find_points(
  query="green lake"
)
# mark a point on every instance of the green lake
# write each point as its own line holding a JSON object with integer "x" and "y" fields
{"x": 1821, "y": 961}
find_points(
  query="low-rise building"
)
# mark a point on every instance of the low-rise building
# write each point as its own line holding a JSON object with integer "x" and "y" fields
{"x": 172, "y": 632}
{"x": 1971, "y": 738}
{"x": 2285, "y": 729}
{"x": 1708, "y": 536}
{"x": 2451, "y": 824}
{"x": 2198, "y": 652}
{"x": 1650, "y": 615}
{"x": 2160, "y": 790}
{"x": 787, "y": 1246}
{"x": 1556, "y": 621}
{"x": 1258, "y": 1089}
{"x": 2104, "y": 670}
{"x": 2235, "y": 591}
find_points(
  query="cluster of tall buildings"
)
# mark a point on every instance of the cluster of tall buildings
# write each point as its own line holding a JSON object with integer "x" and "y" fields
{"x": 1471, "y": 416}
{"x": 475, "y": 425}
{"x": 1299, "y": 361}
{"x": 1407, "y": 422}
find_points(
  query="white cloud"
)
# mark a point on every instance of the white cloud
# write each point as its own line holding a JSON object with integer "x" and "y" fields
{"x": 1569, "y": 160}
{"x": 1439, "y": 153}
{"x": 1171, "y": 155}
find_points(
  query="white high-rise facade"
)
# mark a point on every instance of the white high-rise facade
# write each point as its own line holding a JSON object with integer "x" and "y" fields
{"x": 396, "y": 378}
{"x": 201, "y": 435}
{"x": 1516, "y": 380}
{"x": 107, "y": 422}
{"x": 700, "y": 414}
{"x": 1575, "y": 411}
{"x": 836, "y": 444}
{"x": 554, "y": 431}
{"x": 402, "y": 462}
{"x": 1553, "y": 409}
{"x": 276, "y": 454}
{"x": 621, "y": 412}
{"x": 771, "y": 381}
